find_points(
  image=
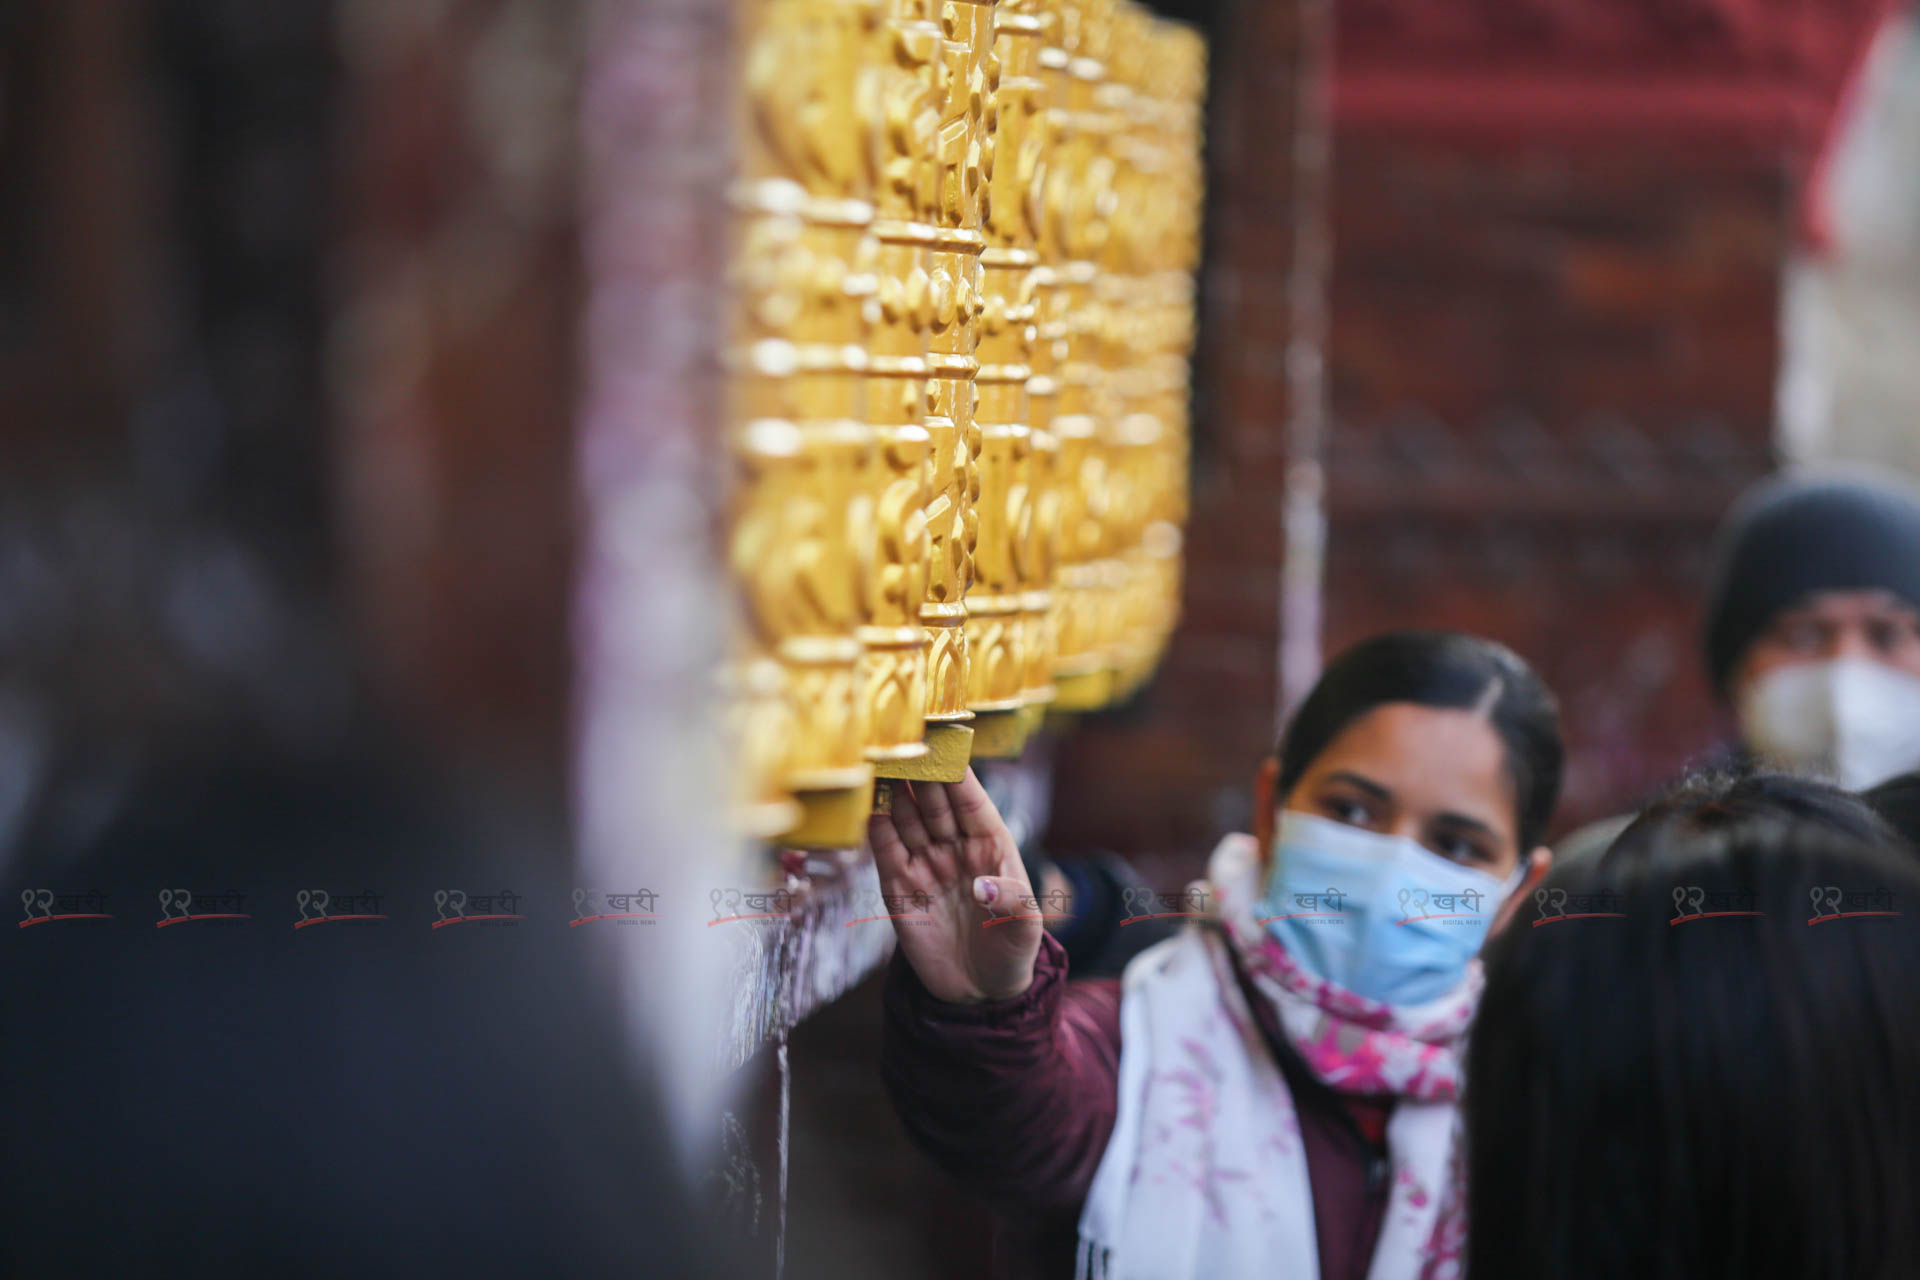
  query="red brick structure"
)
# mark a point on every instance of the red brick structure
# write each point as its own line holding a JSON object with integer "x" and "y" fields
{"x": 1558, "y": 231}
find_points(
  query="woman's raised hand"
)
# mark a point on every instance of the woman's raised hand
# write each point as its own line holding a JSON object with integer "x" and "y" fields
{"x": 981, "y": 931}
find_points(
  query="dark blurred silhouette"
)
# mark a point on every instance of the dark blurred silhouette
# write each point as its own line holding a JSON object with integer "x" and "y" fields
{"x": 1699, "y": 1062}
{"x": 1898, "y": 801}
{"x": 375, "y": 1097}
{"x": 190, "y": 514}
{"x": 1105, "y": 914}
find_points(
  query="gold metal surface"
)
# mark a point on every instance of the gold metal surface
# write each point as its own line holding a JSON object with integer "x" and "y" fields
{"x": 959, "y": 327}
{"x": 900, "y": 86}
{"x": 949, "y": 749}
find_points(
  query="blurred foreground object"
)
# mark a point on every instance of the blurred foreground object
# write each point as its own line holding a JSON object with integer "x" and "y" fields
{"x": 1725, "y": 1001}
{"x": 243, "y": 1096}
{"x": 1850, "y": 307}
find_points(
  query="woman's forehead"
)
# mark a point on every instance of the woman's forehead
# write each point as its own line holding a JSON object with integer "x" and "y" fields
{"x": 1431, "y": 758}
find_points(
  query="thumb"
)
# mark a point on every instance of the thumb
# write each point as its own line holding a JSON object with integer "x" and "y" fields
{"x": 1004, "y": 896}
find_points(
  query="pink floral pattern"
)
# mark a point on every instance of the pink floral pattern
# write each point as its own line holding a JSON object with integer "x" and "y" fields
{"x": 1216, "y": 1134}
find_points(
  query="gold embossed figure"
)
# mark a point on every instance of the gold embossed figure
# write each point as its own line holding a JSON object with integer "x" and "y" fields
{"x": 960, "y": 157}
{"x": 1039, "y": 552}
{"x": 999, "y": 626}
{"x": 901, "y": 105}
{"x": 1131, "y": 433}
{"x": 1079, "y": 206}
{"x": 960, "y": 318}
{"x": 804, "y": 514}
{"x": 1173, "y": 78}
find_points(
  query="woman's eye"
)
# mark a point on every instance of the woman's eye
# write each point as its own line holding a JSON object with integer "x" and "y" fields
{"x": 1351, "y": 812}
{"x": 1456, "y": 849}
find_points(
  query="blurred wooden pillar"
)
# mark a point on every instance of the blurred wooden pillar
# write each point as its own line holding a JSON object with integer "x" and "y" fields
{"x": 74, "y": 239}
{"x": 454, "y": 358}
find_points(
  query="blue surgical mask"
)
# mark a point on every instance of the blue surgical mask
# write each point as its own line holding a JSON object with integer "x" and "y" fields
{"x": 1380, "y": 916}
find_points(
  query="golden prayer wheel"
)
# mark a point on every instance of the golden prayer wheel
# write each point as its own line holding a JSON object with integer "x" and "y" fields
{"x": 959, "y": 327}
{"x": 806, "y": 454}
{"x": 900, "y": 87}
{"x": 1001, "y": 610}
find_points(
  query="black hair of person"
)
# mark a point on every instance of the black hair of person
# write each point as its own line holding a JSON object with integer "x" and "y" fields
{"x": 1448, "y": 670}
{"x": 1709, "y": 801}
{"x": 1898, "y": 801}
{"x": 1718, "y": 1098}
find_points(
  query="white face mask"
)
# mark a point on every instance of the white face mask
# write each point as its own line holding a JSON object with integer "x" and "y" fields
{"x": 1852, "y": 720}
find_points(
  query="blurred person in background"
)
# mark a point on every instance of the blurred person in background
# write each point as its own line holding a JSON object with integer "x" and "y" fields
{"x": 1812, "y": 632}
{"x": 1273, "y": 1091}
{"x": 1098, "y": 908}
{"x": 1726, "y": 1093}
{"x": 241, "y": 1097}
{"x": 1096, "y": 905}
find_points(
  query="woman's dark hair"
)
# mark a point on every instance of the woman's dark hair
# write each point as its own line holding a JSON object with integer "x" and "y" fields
{"x": 1898, "y": 802}
{"x": 1447, "y": 670}
{"x": 1703, "y": 803}
{"x": 1694, "y": 1058}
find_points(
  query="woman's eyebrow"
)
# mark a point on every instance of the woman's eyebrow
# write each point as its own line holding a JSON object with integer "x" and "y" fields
{"x": 1365, "y": 784}
{"x": 1462, "y": 820}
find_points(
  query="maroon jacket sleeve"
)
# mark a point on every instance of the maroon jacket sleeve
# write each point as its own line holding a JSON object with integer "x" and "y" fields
{"x": 1016, "y": 1098}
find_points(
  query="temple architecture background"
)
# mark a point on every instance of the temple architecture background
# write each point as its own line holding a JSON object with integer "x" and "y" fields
{"x": 1548, "y": 338}
{"x": 675, "y": 415}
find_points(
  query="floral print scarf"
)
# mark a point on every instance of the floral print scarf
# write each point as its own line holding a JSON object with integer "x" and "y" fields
{"x": 1205, "y": 1175}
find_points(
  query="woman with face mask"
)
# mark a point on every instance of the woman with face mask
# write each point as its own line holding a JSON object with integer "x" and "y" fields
{"x": 1274, "y": 1091}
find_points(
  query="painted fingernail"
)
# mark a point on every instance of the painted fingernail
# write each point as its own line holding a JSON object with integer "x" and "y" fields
{"x": 984, "y": 891}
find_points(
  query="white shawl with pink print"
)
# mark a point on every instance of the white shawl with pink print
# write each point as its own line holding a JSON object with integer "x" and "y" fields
{"x": 1205, "y": 1177}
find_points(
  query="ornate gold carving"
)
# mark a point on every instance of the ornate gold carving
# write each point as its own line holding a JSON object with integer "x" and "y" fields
{"x": 949, "y": 748}
{"x": 1174, "y": 79}
{"x": 962, "y": 153}
{"x": 999, "y": 622}
{"x": 1079, "y": 205}
{"x": 962, "y": 309}
{"x": 901, "y": 87}
{"x": 804, "y": 499}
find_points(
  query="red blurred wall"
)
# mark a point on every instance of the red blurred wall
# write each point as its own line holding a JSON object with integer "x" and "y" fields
{"x": 1557, "y": 236}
